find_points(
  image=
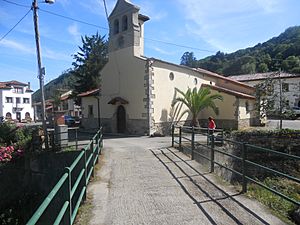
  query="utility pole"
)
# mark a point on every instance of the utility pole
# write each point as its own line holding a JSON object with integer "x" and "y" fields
{"x": 41, "y": 71}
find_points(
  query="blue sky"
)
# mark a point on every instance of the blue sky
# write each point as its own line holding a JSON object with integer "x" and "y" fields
{"x": 204, "y": 26}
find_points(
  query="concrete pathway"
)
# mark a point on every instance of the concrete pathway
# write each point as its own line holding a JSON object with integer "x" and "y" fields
{"x": 143, "y": 181}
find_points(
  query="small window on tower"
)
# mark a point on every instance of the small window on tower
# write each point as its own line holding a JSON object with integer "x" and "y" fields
{"x": 124, "y": 23}
{"x": 116, "y": 26}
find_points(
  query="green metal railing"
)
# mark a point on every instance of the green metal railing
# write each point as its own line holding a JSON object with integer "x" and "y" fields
{"x": 185, "y": 138}
{"x": 71, "y": 186}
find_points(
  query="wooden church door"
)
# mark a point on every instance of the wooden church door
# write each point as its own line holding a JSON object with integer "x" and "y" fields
{"x": 121, "y": 119}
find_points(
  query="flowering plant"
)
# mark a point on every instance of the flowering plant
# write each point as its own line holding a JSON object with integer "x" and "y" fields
{"x": 9, "y": 152}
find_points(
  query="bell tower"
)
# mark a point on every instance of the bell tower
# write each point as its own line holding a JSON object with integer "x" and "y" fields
{"x": 126, "y": 28}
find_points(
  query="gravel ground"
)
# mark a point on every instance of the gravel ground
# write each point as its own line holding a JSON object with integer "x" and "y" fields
{"x": 143, "y": 181}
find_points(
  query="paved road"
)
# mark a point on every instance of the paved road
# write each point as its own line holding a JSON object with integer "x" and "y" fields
{"x": 143, "y": 181}
{"x": 291, "y": 124}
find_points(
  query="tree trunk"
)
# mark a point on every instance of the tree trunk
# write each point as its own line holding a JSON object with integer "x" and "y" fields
{"x": 195, "y": 121}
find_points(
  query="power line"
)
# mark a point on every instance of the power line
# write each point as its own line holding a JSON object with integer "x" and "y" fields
{"x": 105, "y": 28}
{"x": 105, "y": 8}
{"x": 14, "y": 3}
{"x": 178, "y": 45}
{"x": 73, "y": 19}
{"x": 15, "y": 25}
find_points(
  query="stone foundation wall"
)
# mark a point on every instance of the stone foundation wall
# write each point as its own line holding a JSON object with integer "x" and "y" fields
{"x": 89, "y": 123}
{"x": 243, "y": 123}
{"x": 221, "y": 124}
{"x": 133, "y": 126}
{"x": 287, "y": 143}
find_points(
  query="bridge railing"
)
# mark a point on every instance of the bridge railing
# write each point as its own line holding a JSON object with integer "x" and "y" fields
{"x": 70, "y": 191}
{"x": 186, "y": 140}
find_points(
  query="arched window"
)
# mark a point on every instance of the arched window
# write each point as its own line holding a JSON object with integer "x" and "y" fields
{"x": 116, "y": 26}
{"x": 124, "y": 23}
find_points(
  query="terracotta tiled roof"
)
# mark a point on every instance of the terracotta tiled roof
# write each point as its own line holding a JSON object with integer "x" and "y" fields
{"x": 89, "y": 93}
{"x": 206, "y": 72}
{"x": 7, "y": 84}
{"x": 262, "y": 76}
{"x": 235, "y": 93}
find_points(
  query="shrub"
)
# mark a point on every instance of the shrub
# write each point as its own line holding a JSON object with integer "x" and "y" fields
{"x": 283, "y": 207}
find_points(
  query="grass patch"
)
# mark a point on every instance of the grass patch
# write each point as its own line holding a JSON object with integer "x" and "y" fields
{"x": 85, "y": 211}
{"x": 280, "y": 206}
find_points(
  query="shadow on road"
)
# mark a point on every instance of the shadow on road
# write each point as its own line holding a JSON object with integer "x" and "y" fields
{"x": 180, "y": 164}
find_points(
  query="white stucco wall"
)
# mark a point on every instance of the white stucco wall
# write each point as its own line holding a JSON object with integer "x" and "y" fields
{"x": 164, "y": 93}
{"x": 85, "y": 102}
{"x": 123, "y": 76}
{"x": 227, "y": 108}
{"x": 9, "y": 107}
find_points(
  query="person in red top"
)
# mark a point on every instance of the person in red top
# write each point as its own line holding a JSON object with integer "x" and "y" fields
{"x": 211, "y": 125}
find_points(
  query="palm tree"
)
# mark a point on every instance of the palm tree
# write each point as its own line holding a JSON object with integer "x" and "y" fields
{"x": 197, "y": 100}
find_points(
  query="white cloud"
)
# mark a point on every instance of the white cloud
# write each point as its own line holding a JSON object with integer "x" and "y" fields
{"x": 74, "y": 31}
{"x": 64, "y": 3}
{"x": 50, "y": 54}
{"x": 16, "y": 46}
{"x": 162, "y": 51}
{"x": 147, "y": 8}
{"x": 25, "y": 49}
{"x": 269, "y": 6}
{"x": 97, "y": 7}
{"x": 220, "y": 22}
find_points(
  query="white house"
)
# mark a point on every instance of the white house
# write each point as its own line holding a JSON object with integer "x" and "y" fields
{"x": 137, "y": 91}
{"x": 289, "y": 83}
{"x": 90, "y": 109}
{"x": 15, "y": 101}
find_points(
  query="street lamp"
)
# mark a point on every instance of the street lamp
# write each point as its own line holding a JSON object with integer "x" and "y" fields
{"x": 41, "y": 71}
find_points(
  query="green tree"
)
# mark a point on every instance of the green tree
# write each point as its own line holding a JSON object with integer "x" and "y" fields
{"x": 290, "y": 63}
{"x": 197, "y": 100}
{"x": 262, "y": 68}
{"x": 89, "y": 61}
{"x": 188, "y": 59}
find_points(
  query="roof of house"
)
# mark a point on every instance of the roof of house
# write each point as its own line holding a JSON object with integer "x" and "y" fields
{"x": 89, "y": 93}
{"x": 8, "y": 84}
{"x": 262, "y": 76}
{"x": 206, "y": 72}
{"x": 235, "y": 93}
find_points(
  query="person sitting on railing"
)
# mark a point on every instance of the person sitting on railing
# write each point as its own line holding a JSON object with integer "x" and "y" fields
{"x": 211, "y": 125}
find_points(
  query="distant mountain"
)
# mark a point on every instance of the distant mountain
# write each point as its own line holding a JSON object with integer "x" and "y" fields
{"x": 279, "y": 52}
{"x": 63, "y": 83}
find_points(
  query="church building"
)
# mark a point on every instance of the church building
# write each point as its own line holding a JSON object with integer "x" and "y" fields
{"x": 137, "y": 91}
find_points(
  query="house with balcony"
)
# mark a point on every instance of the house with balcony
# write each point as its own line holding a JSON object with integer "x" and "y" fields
{"x": 285, "y": 86}
{"x": 15, "y": 101}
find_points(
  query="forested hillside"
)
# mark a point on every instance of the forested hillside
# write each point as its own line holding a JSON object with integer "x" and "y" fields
{"x": 279, "y": 52}
{"x": 63, "y": 83}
